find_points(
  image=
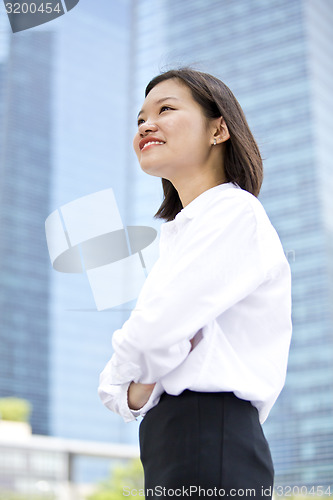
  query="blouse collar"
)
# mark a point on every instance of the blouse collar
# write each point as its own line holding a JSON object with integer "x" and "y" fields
{"x": 196, "y": 205}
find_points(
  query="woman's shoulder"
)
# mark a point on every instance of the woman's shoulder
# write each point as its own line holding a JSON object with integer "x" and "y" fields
{"x": 236, "y": 198}
{"x": 242, "y": 208}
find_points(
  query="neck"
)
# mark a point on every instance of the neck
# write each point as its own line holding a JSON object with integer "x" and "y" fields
{"x": 192, "y": 188}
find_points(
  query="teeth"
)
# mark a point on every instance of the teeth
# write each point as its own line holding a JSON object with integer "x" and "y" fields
{"x": 152, "y": 142}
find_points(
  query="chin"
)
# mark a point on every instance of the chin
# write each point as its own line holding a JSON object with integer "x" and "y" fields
{"x": 152, "y": 170}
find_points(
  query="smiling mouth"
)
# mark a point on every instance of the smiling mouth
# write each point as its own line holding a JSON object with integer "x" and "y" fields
{"x": 151, "y": 143}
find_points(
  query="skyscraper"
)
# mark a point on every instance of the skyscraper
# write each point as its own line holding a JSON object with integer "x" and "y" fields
{"x": 25, "y": 138}
{"x": 63, "y": 109}
{"x": 63, "y": 135}
{"x": 276, "y": 57}
{"x": 90, "y": 153}
{"x": 69, "y": 95}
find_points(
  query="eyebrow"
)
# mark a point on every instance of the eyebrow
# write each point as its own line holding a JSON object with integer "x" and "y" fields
{"x": 158, "y": 102}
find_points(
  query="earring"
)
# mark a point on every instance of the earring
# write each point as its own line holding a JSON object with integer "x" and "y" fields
{"x": 214, "y": 142}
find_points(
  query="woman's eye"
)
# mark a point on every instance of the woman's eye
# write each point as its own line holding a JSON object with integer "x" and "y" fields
{"x": 165, "y": 108}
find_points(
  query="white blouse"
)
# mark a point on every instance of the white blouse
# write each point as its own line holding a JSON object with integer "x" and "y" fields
{"x": 223, "y": 279}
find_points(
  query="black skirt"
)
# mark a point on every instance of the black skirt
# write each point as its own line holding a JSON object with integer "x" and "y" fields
{"x": 200, "y": 444}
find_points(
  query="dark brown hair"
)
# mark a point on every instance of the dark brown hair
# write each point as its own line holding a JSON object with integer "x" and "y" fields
{"x": 242, "y": 160}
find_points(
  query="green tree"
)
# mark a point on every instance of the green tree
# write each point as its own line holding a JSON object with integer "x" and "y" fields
{"x": 15, "y": 409}
{"x": 124, "y": 478}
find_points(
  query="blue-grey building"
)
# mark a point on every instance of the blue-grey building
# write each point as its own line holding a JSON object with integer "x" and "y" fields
{"x": 277, "y": 58}
{"x": 78, "y": 84}
{"x": 91, "y": 141}
{"x": 63, "y": 135}
{"x": 25, "y": 178}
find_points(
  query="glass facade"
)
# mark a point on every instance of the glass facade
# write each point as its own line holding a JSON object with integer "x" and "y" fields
{"x": 69, "y": 95}
{"x": 25, "y": 165}
{"x": 90, "y": 154}
{"x": 63, "y": 109}
{"x": 275, "y": 57}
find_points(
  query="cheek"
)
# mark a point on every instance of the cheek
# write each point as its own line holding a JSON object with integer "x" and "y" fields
{"x": 189, "y": 131}
{"x": 136, "y": 141}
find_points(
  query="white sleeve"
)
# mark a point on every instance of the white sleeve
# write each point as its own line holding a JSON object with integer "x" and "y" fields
{"x": 216, "y": 262}
{"x": 115, "y": 397}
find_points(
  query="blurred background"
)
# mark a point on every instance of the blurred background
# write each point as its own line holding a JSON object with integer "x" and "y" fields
{"x": 70, "y": 91}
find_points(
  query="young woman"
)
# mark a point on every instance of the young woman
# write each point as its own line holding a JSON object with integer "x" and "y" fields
{"x": 203, "y": 356}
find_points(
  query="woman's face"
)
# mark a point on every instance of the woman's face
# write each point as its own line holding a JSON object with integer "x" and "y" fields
{"x": 174, "y": 137}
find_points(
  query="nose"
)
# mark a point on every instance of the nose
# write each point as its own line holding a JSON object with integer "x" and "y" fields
{"x": 146, "y": 127}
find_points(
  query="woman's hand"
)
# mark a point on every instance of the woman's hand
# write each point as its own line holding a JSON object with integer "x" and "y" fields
{"x": 138, "y": 394}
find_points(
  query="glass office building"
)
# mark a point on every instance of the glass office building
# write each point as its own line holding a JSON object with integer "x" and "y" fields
{"x": 78, "y": 84}
{"x": 276, "y": 57}
{"x": 25, "y": 139}
{"x": 90, "y": 154}
{"x": 63, "y": 135}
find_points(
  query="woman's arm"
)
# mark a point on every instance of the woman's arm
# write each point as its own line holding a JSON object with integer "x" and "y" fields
{"x": 216, "y": 262}
{"x": 124, "y": 399}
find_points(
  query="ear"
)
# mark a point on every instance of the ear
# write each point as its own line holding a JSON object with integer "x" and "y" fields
{"x": 220, "y": 131}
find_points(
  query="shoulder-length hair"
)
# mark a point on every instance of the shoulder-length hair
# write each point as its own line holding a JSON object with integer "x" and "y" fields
{"x": 242, "y": 159}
